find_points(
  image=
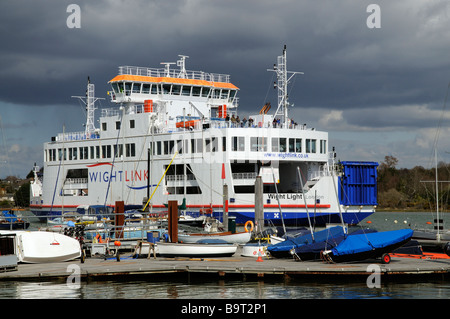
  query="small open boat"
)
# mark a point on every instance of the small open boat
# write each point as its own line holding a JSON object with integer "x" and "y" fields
{"x": 195, "y": 249}
{"x": 236, "y": 238}
{"x": 9, "y": 221}
{"x": 368, "y": 246}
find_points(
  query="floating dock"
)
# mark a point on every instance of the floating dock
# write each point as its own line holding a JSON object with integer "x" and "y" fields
{"x": 234, "y": 267}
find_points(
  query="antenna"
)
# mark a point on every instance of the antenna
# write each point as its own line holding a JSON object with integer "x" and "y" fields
{"x": 167, "y": 68}
{"x": 182, "y": 64}
{"x": 282, "y": 75}
{"x": 89, "y": 100}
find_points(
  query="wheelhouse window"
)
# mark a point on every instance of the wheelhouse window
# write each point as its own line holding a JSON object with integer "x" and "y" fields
{"x": 186, "y": 91}
{"x": 275, "y": 144}
{"x": 146, "y": 88}
{"x": 298, "y": 145}
{"x": 196, "y": 90}
{"x": 176, "y": 89}
{"x": 128, "y": 88}
{"x": 136, "y": 87}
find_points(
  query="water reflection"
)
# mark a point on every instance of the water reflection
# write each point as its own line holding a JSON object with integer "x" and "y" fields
{"x": 220, "y": 290}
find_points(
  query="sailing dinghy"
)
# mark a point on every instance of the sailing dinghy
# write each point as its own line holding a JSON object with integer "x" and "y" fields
{"x": 368, "y": 246}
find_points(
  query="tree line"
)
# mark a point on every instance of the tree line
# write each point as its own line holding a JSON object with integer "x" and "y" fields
{"x": 412, "y": 189}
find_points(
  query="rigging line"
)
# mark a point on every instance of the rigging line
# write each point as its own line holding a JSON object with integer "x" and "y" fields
{"x": 436, "y": 137}
{"x": 114, "y": 160}
{"x": 139, "y": 161}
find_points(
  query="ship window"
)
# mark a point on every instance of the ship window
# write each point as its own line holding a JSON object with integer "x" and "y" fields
{"x": 154, "y": 89}
{"x": 118, "y": 150}
{"x": 298, "y": 145}
{"x": 199, "y": 145}
{"x": 136, "y": 87}
{"x": 215, "y": 144}
{"x": 166, "y": 88}
{"x": 310, "y": 146}
{"x": 323, "y": 146}
{"x": 292, "y": 145}
{"x": 275, "y": 147}
{"x": 118, "y": 125}
{"x": 132, "y": 124}
{"x": 92, "y": 152}
{"x": 130, "y": 150}
{"x": 97, "y": 152}
{"x": 115, "y": 87}
{"x": 106, "y": 151}
{"x": 180, "y": 147}
{"x": 282, "y": 144}
{"x": 232, "y": 95}
{"x": 166, "y": 147}
{"x": 146, "y": 88}
{"x": 176, "y": 89}
{"x": 120, "y": 85}
{"x": 84, "y": 153}
{"x": 257, "y": 144}
{"x": 158, "y": 148}
{"x": 207, "y": 145}
{"x": 128, "y": 88}
{"x": 205, "y": 92}
{"x": 196, "y": 91}
{"x": 238, "y": 143}
{"x": 172, "y": 147}
{"x": 224, "y": 144}
{"x": 104, "y": 126}
{"x": 186, "y": 90}
{"x": 216, "y": 94}
{"x": 224, "y": 94}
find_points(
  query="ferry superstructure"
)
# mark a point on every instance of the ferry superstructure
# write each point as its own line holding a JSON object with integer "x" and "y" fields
{"x": 176, "y": 135}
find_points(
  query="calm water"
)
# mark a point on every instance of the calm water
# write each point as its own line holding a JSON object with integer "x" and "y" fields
{"x": 231, "y": 289}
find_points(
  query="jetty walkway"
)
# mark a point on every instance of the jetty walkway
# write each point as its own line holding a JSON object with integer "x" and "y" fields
{"x": 234, "y": 267}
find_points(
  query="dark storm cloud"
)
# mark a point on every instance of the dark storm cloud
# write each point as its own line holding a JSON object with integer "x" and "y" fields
{"x": 346, "y": 64}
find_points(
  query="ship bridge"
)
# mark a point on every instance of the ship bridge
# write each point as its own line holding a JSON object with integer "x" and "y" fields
{"x": 205, "y": 92}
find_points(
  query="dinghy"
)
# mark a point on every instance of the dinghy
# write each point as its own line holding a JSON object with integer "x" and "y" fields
{"x": 282, "y": 250}
{"x": 44, "y": 247}
{"x": 237, "y": 238}
{"x": 368, "y": 246}
{"x": 313, "y": 251}
{"x": 195, "y": 250}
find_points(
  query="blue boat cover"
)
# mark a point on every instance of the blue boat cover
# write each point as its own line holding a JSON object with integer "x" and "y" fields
{"x": 329, "y": 243}
{"x": 293, "y": 242}
{"x": 366, "y": 242}
{"x": 10, "y": 218}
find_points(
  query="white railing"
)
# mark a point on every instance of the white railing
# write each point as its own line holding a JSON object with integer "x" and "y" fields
{"x": 161, "y": 72}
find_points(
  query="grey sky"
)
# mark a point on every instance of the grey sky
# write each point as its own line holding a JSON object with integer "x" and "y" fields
{"x": 377, "y": 91}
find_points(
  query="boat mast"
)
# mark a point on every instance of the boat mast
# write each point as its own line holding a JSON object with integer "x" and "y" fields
{"x": 89, "y": 100}
{"x": 282, "y": 78}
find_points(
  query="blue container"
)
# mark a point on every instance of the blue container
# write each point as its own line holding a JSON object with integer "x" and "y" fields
{"x": 153, "y": 237}
{"x": 358, "y": 184}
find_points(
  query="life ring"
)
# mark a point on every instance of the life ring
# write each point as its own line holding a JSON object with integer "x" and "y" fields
{"x": 251, "y": 226}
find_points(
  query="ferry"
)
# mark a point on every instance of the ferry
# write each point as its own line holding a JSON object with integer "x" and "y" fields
{"x": 175, "y": 134}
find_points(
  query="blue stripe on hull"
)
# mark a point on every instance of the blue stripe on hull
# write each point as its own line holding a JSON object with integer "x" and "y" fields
{"x": 301, "y": 219}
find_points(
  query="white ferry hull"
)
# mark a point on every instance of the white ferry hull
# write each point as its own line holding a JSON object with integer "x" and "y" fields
{"x": 172, "y": 138}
